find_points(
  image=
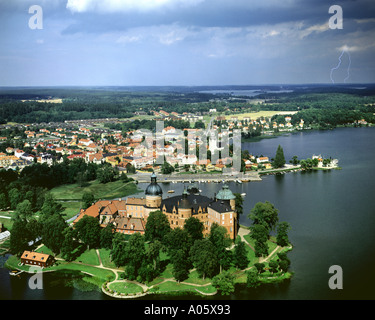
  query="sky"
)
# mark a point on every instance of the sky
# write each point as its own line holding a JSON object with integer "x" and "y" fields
{"x": 185, "y": 42}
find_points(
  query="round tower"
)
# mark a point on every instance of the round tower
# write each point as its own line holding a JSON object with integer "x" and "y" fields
{"x": 184, "y": 207}
{"x": 226, "y": 195}
{"x": 153, "y": 193}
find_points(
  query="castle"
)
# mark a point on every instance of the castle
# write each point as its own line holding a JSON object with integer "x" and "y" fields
{"x": 130, "y": 215}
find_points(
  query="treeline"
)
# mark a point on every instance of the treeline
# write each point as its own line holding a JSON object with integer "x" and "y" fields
{"x": 300, "y": 101}
{"x": 34, "y": 181}
{"x": 185, "y": 248}
{"x": 151, "y": 125}
{"x": 36, "y": 112}
{"x": 331, "y": 117}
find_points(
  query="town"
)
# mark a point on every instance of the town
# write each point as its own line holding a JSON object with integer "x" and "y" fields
{"x": 24, "y": 144}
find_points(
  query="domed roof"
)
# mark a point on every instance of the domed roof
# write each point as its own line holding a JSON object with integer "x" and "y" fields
{"x": 153, "y": 189}
{"x": 225, "y": 194}
{"x": 185, "y": 204}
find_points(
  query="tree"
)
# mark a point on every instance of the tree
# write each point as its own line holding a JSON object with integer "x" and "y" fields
{"x": 240, "y": 255}
{"x": 134, "y": 254}
{"x": 273, "y": 266}
{"x": 118, "y": 249}
{"x": 106, "y": 174}
{"x": 195, "y": 228}
{"x": 224, "y": 283}
{"x": 284, "y": 261}
{"x": 220, "y": 239}
{"x": 130, "y": 168}
{"x": 53, "y": 232}
{"x": 166, "y": 168}
{"x": 259, "y": 266}
{"x": 283, "y": 265}
{"x": 19, "y": 237}
{"x": 294, "y": 161}
{"x": 50, "y": 207}
{"x": 67, "y": 246}
{"x": 3, "y": 201}
{"x": 106, "y": 236}
{"x": 23, "y": 210}
{"x": 178, "y": 239}
{"x": 14, "y": 198}
{"x": 260, "y": 234}
{"x": 252, "y": 280}
{"x": 153, "y": 254}
{"x": 265, "y": 214}
{"x": 87, "y": 200}
{"x": 203, "y": 256}
{"x": 239, "y": 207}
{"x": 88, "y": 231}
{"x": 279, "y": 160}
{"x": 157, "y": 226}
{"x": 181, "y": 265}
{"x": 34, "y": 228}
{"x": 282, "y": 234}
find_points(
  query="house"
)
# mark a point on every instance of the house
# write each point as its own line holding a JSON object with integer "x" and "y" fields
{"x": 262, "y": 159}
{"x": 115, "y": 212}
{"x": 36, "y": 259}
{"x": 96, "y": 158}
{"x": 85, "y": 142}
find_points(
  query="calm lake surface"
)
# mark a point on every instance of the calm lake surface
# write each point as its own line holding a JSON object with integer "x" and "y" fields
{"x": 332, "y": 215}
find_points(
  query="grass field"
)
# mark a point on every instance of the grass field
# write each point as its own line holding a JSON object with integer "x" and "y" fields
{"x": 110, "y": 190}
{"x": 125, "y": 287}
{"x": 256, "y": 115}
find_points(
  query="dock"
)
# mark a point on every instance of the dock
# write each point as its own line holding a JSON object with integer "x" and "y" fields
{"x": 197, "y": 177}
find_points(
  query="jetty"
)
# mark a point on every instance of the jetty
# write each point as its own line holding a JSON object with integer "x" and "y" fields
{"x": 200, "y": 177}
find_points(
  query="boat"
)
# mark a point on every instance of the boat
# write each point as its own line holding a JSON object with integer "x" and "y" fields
{"x": 239, "y": 181}
{"x": 170, "y": 191}
{"x": 243, "y": 194}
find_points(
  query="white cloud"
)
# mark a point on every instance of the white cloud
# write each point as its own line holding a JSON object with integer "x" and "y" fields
{"x": 317, "y": 28}
{"x": 110, "y": 6}
{"x": 370, "y": 20}
{"x": 128, "y": 39}
{"x": 356, "y": 48}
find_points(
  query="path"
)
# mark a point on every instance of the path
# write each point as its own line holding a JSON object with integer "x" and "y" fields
{"x": 242, "y": 232}
{"x": 145, "y": 288}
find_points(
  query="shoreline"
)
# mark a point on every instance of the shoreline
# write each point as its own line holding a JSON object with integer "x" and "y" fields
{"x": 186, "y": 287}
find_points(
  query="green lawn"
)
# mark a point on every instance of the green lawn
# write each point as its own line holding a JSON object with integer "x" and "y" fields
{"x": 89, "y": 257}
{"x": 71, "y": 208}
{"x": 106, "y": 259}
{"x": 99, "y": 275}
{"x": 125, "y": 287}
{"x": 108, "y": 190}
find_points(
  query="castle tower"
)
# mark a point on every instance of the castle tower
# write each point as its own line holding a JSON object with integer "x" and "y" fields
{"x": 153, "y": 194}
{"x": 184, "y": 208}
{"x": 226, "y": 195}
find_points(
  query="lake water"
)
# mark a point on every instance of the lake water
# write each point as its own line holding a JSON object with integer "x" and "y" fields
{"x": 332, "y": 215}
{"x": 248, "y": 93}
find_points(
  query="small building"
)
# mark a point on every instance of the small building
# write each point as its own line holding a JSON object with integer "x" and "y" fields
{"x": 32, "y": 258}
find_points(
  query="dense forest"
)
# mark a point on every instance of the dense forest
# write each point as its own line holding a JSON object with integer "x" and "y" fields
{"x": 28, "y": 105}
